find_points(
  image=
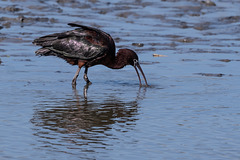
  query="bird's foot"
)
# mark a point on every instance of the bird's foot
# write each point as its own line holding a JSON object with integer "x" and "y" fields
{"x": 74, "y": 83}
{"x": 89, "y": 82}
{"x": 86, "y": 89}
{"x": 85, "y": 77}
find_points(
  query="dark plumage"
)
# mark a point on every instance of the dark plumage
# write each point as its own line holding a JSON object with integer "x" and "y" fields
{"x": 86, "y": 46}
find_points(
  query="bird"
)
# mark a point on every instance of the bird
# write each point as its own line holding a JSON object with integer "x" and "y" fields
{"x": 87, "y": 46}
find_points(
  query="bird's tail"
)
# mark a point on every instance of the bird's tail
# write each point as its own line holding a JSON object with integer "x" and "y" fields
{"x": 46, "y": 40}
{"x": 45, "y": 52}
{"x": 46, "y": 43}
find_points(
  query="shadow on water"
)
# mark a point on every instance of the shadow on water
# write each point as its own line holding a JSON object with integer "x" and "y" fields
{"x": 79, "y": 123}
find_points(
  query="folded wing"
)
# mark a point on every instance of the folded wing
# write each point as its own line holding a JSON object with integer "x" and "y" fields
{"x": 82, "y": 43}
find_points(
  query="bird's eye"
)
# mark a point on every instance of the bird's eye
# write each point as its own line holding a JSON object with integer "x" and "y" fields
{"x": 135, "y": 62}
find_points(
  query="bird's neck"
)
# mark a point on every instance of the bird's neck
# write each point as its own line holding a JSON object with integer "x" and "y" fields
{"x": 118, "y": 62}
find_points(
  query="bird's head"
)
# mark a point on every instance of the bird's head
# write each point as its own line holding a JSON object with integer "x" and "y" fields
{"x": 132, "y": 59}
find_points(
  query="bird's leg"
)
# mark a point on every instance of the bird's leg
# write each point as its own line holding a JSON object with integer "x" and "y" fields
{"x": 74, "y": 81}
{"x": 85, "y": 77}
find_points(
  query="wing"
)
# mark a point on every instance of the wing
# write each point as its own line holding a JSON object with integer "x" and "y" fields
{"x": 83, "y": 43}
{"x": 105, "y": 37}
{"x": 91, "y": 28}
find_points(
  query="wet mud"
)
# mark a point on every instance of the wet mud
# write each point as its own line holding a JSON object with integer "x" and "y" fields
{"x": 189, "y": 51}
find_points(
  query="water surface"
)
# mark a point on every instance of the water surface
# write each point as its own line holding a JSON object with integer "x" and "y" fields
{"x": 189, "y": 111}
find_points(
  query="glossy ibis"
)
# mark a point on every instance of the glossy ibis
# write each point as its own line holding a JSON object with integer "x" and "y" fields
{"x": 87, "y": 46}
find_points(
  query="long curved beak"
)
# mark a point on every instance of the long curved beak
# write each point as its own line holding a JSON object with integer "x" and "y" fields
{"x": 137, "y": 65}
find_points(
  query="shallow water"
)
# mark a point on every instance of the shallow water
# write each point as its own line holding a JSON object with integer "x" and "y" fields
{"x": 189, "y": 111}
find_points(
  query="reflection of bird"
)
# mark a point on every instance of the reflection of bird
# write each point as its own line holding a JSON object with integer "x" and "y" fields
{"x": 87, "y": 46}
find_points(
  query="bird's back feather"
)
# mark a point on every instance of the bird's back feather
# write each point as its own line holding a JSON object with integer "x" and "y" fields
{"x": 84, "y": 43}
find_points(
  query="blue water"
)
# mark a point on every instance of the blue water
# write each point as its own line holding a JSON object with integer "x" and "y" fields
{"x": 189, "y": 111}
